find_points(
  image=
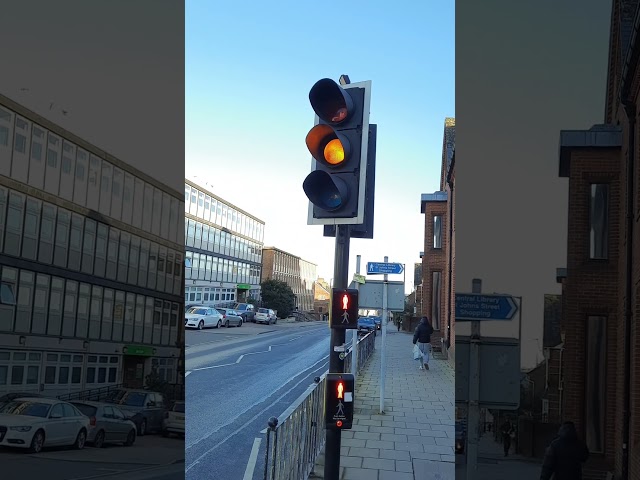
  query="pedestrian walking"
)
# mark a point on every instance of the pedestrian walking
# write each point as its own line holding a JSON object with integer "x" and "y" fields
{"x": 422, "y": 338}
{"x": 399, "y": 323}
{"x": 565, "y": 455}
{"x": 507, "y": 431}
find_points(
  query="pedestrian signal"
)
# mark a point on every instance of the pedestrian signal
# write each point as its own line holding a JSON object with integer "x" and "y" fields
{"x": 344, "y": 309}
{"x": 339, "y": 401}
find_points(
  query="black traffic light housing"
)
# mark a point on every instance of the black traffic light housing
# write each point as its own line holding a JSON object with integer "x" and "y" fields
{"x": 344, "y": 309}
{"x": 338, "y": 144}
{"x": 339, "y": 399}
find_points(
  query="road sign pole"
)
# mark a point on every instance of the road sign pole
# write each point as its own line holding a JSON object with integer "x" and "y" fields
{"x": 473, "y": 409}
{"x": 383, "y": 327}
{"x": 354, "y": 333}
{"x": 338, "y": 336}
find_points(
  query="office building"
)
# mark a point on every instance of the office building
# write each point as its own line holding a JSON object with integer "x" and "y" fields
{"x": 600, "y": 296}
{"x": 437, "y": 293}
{"x": 223, "y": 249}
{"x": 299, "y": 274}
{"x": 91, "y": 259}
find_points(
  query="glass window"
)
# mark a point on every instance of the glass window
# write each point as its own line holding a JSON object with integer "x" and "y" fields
{"x": 138, "y": 327}
{"x": 138, "y": 201}
{"x": 436, "y": 306}
{"x": 599, "y": 221}
{"x": 82, "y": 174}
{"x": 129, "y": 314}
{"x": 88, "y": 245}
{"x": 40, "y": 305}
{"x": 105, "y": 188}
{"x": 47, "y": 233}
{"x": 176, "y": 233}
{"x": 84, "y": 299}
{"x": 67, "y": 171}
{"x": 165, "y": 216}
{"x": 25, "y": 301}
{"x": 31, "y": 229}
{"x": 134, "y": 253}
{"x": 144, "y": 263}
{"x": 75, "y": 242}
{"x": 117, "y": 189}
{"x": 127, "y": 199}
{"x": 157, "y": 211}
{"x": 107, "y": 315}
{"x": 70, "y": 309}
{"x": 13, "y": 227}
{"x": 62, "y": 238}
{"x": 596, "y": 383}
{"x": 55, "y": 306}
{"x": 102, "y": 239}
{"x": 112, "y": 253}
{"x": 123, "y": 257}
{"x": 148, "y": 208}
{"x": 95, "y": 313}
{"x": 118, "y": 317}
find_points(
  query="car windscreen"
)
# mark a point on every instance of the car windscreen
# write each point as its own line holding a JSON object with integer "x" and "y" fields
{"x": 178, "y": 407}
{"x": 133, "y": 399}
{"x": 31, "y": 409}
{"x": 222, "y": 311}
{"x": 240, "y": 307}
{"x": 197, "y": 311}
{"x": 87, "y": 410}
{"x": 263, "y": 310}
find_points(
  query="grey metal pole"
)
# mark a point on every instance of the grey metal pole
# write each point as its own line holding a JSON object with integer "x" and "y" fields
{"x": 336, "y": 365}
{"x": 473, "y": 409}
{"x": 383, "y": 327}
{"x": 354, "y": 333}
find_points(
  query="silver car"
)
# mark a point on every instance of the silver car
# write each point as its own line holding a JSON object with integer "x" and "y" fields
{"x": 107, "y": 424}
{"x": 202, "y": 317}
{"x": 230, "y": 317}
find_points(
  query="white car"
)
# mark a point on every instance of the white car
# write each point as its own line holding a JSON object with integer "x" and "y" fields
{"x": 33, "y": 423}
{"x": 266, "y": 315}
{"x": 202, "y": 317}
{"x": 174, "y": 420}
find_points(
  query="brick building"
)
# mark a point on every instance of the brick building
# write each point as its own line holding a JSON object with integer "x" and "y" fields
{"x": 438, "y": 285}
{"x": 601, "y": 377}
{"x": 299, "y": 274}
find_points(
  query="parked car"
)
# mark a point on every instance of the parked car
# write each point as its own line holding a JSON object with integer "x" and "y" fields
{"x": 107, "y": 424}
{"x": 13, "y": 395}
{"x": 33, "y": 422}
{"x": 246, "y": 311}
{"x": 366, "y": 324}
{"x": 266, "y": 315}
{"x": 174, "y": 420}
{"x": 378, "y": 322}
{"x": 202, "y": 317}
{"x": 230, "y": 317}
{"x": 144, "y": 408}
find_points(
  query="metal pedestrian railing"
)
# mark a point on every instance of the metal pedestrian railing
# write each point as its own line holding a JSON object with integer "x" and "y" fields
{"x": 295, "y": 440}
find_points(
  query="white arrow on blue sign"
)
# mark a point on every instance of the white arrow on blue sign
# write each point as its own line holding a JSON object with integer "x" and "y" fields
{"x": 381, "y": 268}
{"x": 478, "y": 307}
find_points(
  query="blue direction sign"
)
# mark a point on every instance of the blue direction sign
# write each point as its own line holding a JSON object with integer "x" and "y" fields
{"x": 381, "y": 268}
{"x": 477, "y": 307}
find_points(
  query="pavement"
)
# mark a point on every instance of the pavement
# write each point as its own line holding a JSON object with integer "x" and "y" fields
{"x": 235, "y": 382}
{"x": 493, "y": 465}
{"x": 414, "y": 438}
{"x": 151, "y": 457}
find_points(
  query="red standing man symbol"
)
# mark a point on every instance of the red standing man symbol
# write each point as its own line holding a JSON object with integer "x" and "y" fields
{"x": 345, "y": 302}
{"x": 340, "y": 389}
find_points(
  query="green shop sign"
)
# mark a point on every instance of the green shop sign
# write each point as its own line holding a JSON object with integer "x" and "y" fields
{"x": 244, "y": 286}
{"x": 138, "y": 350}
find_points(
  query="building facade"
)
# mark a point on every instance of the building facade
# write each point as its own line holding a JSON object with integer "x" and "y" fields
{"x": 437, "y": 291}
{"x": 299, "y": 274}
{"x": 600, "y": 298}
{"x": 91, "y": 260}
{"x": 321, "y": 297}
{"x": 223, "y": 249}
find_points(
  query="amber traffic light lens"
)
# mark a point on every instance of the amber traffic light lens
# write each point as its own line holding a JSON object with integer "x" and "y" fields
{"x": 334, "y": 152}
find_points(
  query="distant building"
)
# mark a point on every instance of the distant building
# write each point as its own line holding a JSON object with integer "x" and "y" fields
{"x": 600, "y": 297}
{"x": 299, "y": 274}
{"x": 321, "y": 296}
{"x": 437, "y": 297}
{"x": 223, "y": 249}
{"x": 91, "y": 263}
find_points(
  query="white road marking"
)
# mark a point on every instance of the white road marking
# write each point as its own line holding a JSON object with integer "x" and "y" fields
{"x": 245, "y": 354}
{"x": 264, "y": 431}
{"x": 197, "y": 460}
{"x": 253, "y": 458}
{"x": 186, "y": 374}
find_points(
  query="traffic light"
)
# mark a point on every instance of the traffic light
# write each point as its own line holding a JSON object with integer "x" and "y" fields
{"x": 339, "y": 401}
{"x": 338, "y": 143}
{"x": 344, "y": 308}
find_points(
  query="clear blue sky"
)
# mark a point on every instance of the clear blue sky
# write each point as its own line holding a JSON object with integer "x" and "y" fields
{"x": 249, "y": 68}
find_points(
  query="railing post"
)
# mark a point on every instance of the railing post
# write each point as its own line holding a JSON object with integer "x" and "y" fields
{"x": 272, "y": 424}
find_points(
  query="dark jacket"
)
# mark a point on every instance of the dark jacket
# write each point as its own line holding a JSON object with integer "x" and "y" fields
{"x": 423, "y": 332}
{"x": 565, "y": 456}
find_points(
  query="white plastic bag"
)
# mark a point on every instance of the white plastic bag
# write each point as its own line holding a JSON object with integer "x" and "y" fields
{"x": 416, "y": 352}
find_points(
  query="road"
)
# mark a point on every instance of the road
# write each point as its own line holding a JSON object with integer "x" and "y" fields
{"x": 236, "y": 379}
{"x": 151, "y": 457}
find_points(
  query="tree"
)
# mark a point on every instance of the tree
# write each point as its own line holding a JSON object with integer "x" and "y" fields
{"x": 278, "y": 296}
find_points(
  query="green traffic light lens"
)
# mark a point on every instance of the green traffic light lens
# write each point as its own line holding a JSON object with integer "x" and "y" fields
{"x": 327, "y": 192}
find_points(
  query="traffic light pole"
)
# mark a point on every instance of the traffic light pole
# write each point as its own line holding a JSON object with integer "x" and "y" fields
{"x": 338, "y": 337}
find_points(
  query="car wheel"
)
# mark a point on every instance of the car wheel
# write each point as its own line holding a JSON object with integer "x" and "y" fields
{"x": 226, "y": 324}
{"x": 219, "y": 324}
{"x": 98, "y": 442}
{"x": 81, "y": 439}
{"x": 201, "y": 325}
{"x": 131, "y": 438}
{"x": 143, "y": 428}
{"x": 37, "y": 442}
{"x": 241, "y": 322}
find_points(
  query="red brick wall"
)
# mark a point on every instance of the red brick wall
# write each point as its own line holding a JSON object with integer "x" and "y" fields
{"x": 452, "y": 245}
{"x": 435, "y": 260}
{"x": 591, "y": 288}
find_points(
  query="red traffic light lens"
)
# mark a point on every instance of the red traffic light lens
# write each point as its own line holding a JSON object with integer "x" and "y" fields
{"x": 330, "y": 101}
{"x": 339, "y": 423}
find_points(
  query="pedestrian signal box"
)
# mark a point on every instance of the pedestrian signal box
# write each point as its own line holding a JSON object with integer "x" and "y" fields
{"x": 338, "y": 408}
{"x": 344, "y": 309}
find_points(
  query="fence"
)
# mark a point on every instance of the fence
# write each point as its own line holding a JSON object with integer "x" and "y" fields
{"x": 295, "y": 440}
